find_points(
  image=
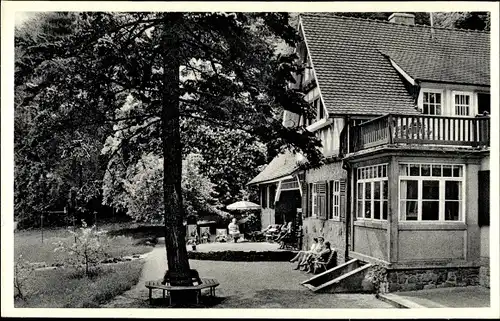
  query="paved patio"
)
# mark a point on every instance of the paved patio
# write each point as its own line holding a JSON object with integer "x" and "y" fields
{"x": 452, "y": 297}
{"x": 245, "y": 285}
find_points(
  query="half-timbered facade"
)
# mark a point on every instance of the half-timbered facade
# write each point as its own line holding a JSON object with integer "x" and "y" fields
{"x": 403, "y": 114}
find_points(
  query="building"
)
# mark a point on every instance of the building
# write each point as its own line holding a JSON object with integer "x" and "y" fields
{"x": 402, "y": 111}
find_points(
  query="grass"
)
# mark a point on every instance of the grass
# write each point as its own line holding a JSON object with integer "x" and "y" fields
{"x": 65, "y": 289}
{"x": 29, "y": 245}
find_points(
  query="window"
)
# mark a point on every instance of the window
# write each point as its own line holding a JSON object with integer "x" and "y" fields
{"x": 263, "y": 197}
{"x": 483, "y": 103}
{"x": 334, "y": 213}
{"x": 484, "y": 198}
{"x": 372, "y": 192}
{"x": 432, "y": 102}
{"x": 431, "y": 192}
{"x": 319, "y": 200}
{"x": 462, "y": 103}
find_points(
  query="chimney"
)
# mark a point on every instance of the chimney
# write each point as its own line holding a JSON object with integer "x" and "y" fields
{"x": 402, "y": 18}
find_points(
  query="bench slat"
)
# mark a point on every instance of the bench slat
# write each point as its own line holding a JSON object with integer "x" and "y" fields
{"x": 206, "y": 283}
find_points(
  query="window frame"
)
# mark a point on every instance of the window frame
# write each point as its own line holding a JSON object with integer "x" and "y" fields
{"x": 442, "y": 192}
{"x": 432, "y": 91}
{"x": 363, "y": 177}
{"x": 335, "y": 201}
{"x": 315, "y": 200}
{"x": 472, "y": 106}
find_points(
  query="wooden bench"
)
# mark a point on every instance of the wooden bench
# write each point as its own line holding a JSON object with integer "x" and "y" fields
{"x": 205, "y": 283}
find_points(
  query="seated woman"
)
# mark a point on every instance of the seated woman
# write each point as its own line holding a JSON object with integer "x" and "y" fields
{"x": 311, "y": 256}
{"x": 320, "y": 257}
{"x": 285, "y": 228}
{"x": 300, "y": 256}
{"x": 234, "y": 230}
{"x": 205, "y": 236}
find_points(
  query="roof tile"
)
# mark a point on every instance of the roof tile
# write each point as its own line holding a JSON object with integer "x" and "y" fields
{"x": 281, "y": 166}
{"x": 350, "y": 58}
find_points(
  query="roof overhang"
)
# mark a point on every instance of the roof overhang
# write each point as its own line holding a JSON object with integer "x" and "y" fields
{"x": 402, "y": 72}
{"x": 273, "y": 180}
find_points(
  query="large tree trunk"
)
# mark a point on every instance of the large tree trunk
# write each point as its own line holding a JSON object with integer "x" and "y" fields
{"x": 175, "y": 232}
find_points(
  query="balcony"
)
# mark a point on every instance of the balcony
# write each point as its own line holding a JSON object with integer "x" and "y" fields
{"x": 393, "y": 129}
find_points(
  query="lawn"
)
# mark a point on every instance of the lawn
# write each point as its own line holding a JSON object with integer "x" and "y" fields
{"x": 63, "y": 287}
{"x": 29, "y": 244}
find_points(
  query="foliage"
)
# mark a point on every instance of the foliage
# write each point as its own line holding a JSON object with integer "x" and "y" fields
{"x": 253, "y": 223}
{"x": 377, "y": 276}
{"x": 51, "y": 156}
{"x": 230, "y": 77}
{"x": 22, "y": 272}
{"x": 463, "y": 20}
{"x": 87, "y": 251}
{"x": 234, "y": 157}
{"x": 139, "y": 188}
{"x": 61, "y": 289}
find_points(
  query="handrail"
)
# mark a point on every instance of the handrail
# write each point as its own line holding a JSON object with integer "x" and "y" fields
{"x": 419, "y": 129}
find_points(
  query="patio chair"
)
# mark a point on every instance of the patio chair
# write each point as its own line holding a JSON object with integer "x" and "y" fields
{"x": 221, "y": 235}
{"x": 205, "y": 234}
{"x": 289, "y": 241}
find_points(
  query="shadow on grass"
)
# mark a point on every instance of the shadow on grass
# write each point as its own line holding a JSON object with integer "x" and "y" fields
{"x": 142, "y": 232}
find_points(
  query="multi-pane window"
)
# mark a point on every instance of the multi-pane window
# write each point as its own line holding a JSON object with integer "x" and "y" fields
{"x": 372, "y": 192}
{"x": 335, "y": 201}
{"x": 318, "y": 199}
{"x": 431, "y": 192}
{"x": 432, "y": 102}
{"x": 462, "y": 104}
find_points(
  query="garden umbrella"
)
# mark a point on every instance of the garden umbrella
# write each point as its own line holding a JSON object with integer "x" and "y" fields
{"x": 243, "y": 205}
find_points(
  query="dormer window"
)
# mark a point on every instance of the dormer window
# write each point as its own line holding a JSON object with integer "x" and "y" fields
{"x": 462, "y": 103}
{"x": 432, "y": 103}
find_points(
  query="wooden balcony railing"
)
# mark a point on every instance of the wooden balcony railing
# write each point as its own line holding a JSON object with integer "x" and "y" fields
{"x": 417, "y": 129}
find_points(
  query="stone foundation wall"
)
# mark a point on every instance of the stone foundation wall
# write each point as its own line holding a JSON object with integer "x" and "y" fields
{"x": 484, "y": 272}
{"x": 418, "y": 279}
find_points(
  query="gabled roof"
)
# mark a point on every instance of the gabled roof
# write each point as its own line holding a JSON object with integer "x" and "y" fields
{"x": 351, "y": 60}
{"x": 282, "y": 165}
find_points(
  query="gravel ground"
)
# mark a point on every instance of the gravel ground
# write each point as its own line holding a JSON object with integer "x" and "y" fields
{"x": 244, "y": 285}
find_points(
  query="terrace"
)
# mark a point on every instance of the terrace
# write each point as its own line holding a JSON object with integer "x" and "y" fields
{"x": 397, "y": 129}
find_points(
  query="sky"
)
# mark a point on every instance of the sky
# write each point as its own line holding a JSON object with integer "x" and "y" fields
{"x": 22, "y": 16}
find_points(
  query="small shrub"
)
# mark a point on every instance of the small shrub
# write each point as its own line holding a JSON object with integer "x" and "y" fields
{"x": 22, "y": 271}
{"x": 87, "y": 251}
{"x": 376, "y": 276}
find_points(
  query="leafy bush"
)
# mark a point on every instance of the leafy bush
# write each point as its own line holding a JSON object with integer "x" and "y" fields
{"x": 87, "y": 251}
{"x": 253, "y": 223}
